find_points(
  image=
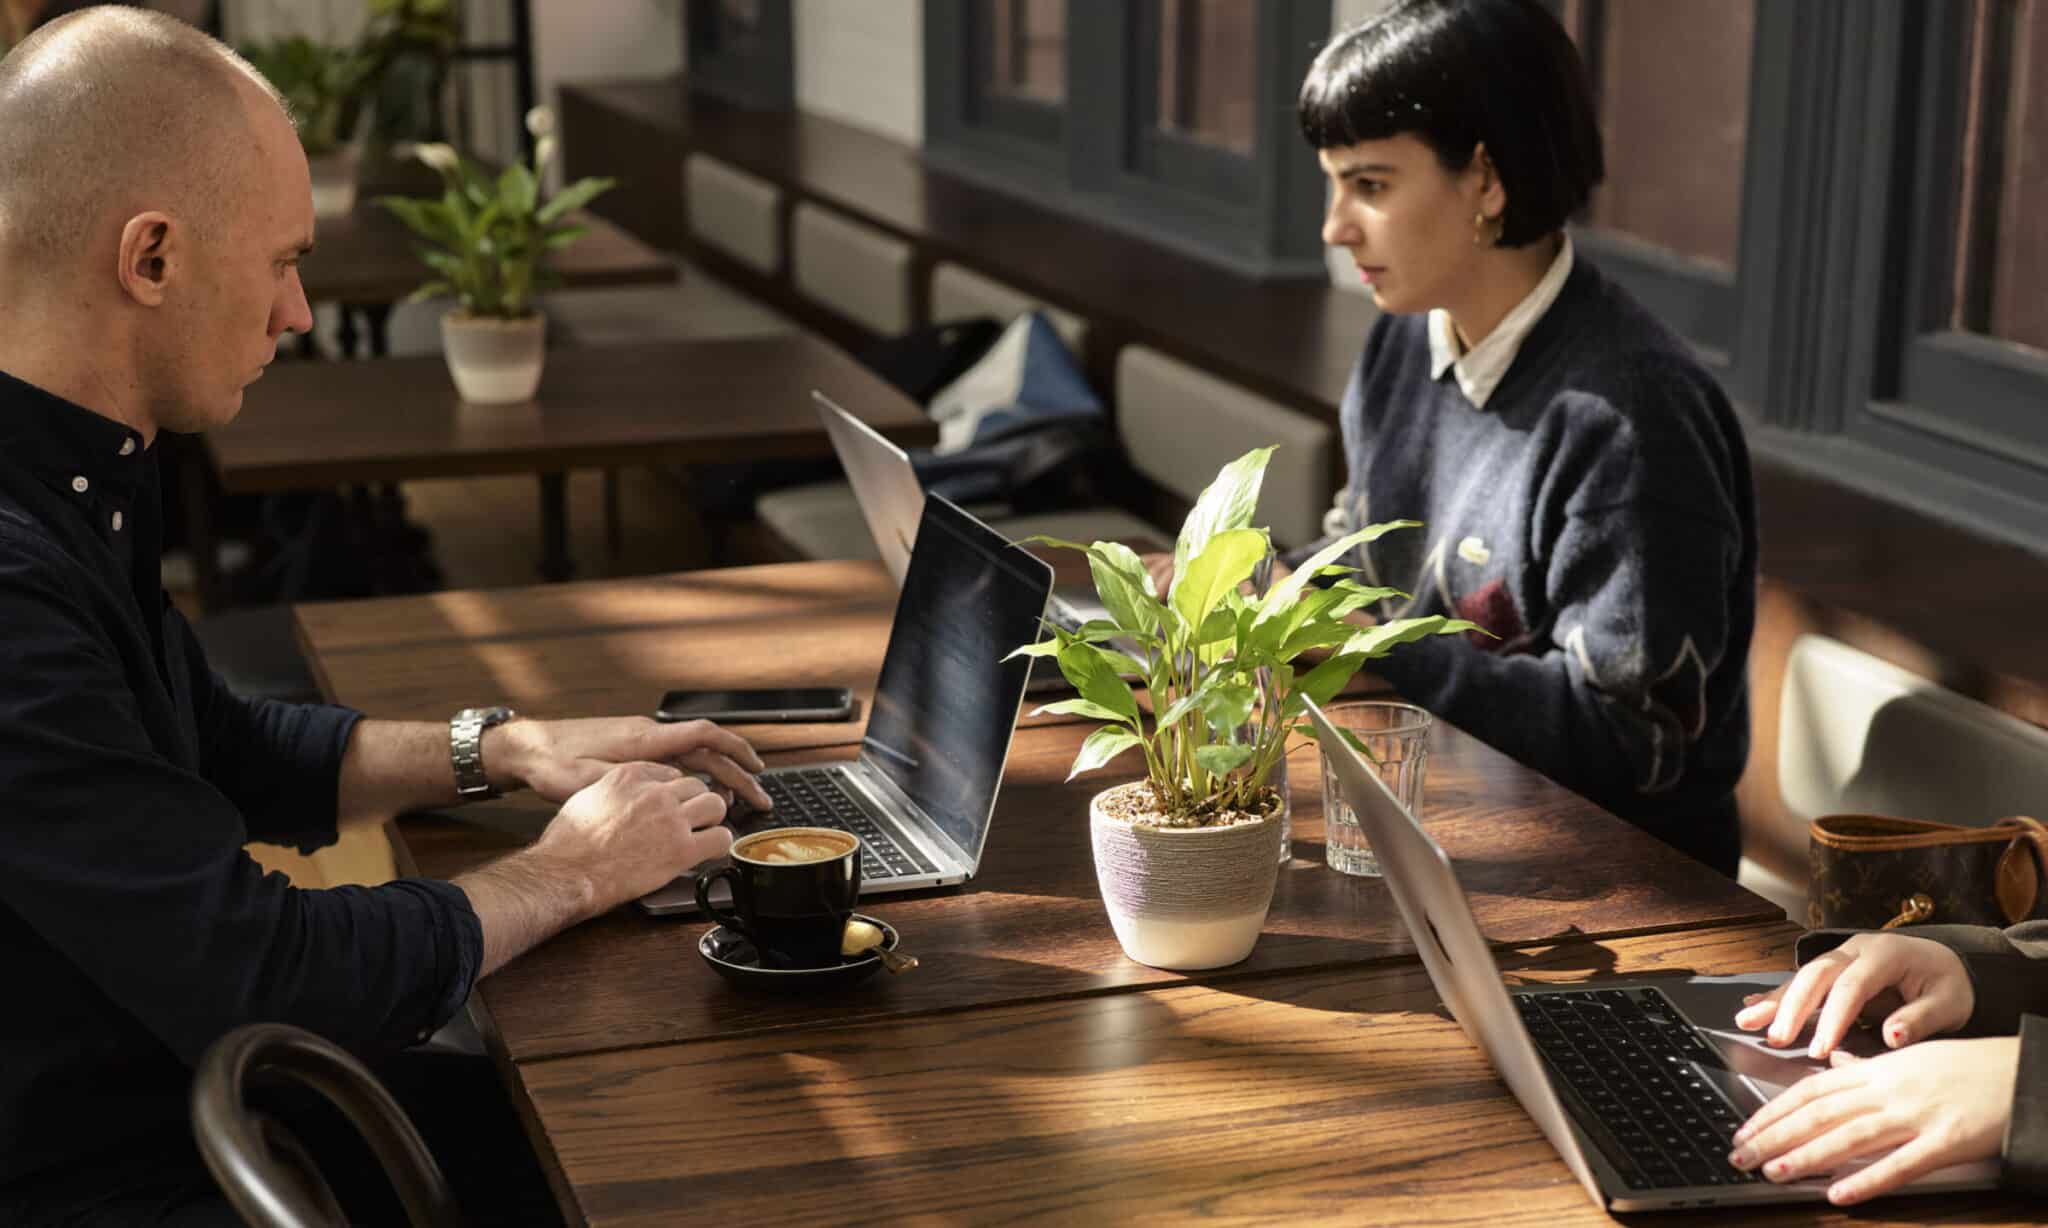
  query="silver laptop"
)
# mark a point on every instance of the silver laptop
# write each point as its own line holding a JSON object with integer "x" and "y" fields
{"x": 1638, "y": 1085}
{"x": 891, "y": 499}
{"x": 923, "y": 791}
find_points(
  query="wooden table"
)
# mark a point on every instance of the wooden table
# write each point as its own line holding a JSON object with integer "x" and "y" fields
{"x": 1028, "y": 1070}
{"x": 315, "y": 425}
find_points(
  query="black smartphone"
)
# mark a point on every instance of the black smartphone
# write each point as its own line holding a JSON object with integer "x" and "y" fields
{"x": 804, "y": 703}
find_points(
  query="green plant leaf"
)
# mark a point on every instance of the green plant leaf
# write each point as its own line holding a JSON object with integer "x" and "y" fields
{"x": 1100, "y": 747}
{"x": 558, "y": 239}
{"x": 1097, "y": 681}
{"x": 1284, "y": 593}
{"x": 1219, "y": 760}
{"x": 1380, "y": 640}
{"x": 1328, "y": 678}
{"x": 1078, "y": 707}
{"x": 1122, "y": 662}
{"x": 1226, "y": 503}
{"x": 1125, "y": 588}
{"x": 574, "y": 196}
{"x": 1042, "y": 648}
{"x": 1179, "y": 708}
{"x": 1223, "y": 564}
{"x": 517, "y": 190}
{"x": 1227, "y": 708}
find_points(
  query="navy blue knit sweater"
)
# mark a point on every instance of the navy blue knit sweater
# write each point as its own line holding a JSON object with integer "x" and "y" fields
{"x": 1596, "y": 515}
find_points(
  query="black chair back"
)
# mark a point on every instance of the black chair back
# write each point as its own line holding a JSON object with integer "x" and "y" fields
{"x": 264, "y": 1171}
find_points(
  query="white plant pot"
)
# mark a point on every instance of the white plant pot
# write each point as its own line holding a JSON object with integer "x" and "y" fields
{"x": 334, "y": 181}
{"x": 1184, "y": 898}
{"x": 493, "y": 361}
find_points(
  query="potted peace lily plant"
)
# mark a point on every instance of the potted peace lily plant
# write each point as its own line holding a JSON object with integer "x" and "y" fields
{"x": 486, "y": 239}
{"x": 1187, "y": 856}
{"x": 325, "y": 85}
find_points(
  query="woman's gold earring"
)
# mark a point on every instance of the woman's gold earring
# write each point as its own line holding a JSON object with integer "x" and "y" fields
{"x": 1484, "y": 232}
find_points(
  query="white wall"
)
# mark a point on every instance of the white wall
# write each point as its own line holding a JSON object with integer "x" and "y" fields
{"x": 862, "y": 61}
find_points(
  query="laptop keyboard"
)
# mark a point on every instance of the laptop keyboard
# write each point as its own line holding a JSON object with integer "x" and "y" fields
{"x": 816, "y": 797}
{"x": 1627, "y": 1055}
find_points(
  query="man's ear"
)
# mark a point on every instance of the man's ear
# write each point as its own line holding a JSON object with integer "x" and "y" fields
{"x": 148, "y": 257}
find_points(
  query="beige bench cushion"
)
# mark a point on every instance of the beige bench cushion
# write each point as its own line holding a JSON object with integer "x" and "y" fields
{"x": 821, "y": 521}
{"x": 1180, "y": 425}
{"x": 698, "y": 307}
{"x": 733, "y": 212}
{"x": 1860, "y": 735}
{"x": 1087, "y": 524}
{"x": 854, "y": 269}
{"x": 959, "y": 292}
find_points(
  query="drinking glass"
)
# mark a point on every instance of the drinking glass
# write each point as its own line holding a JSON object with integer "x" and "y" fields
{"x": 1396, "y": 740}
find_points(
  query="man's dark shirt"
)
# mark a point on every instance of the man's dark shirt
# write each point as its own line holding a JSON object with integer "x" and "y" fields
{"x": 134, "y": 931}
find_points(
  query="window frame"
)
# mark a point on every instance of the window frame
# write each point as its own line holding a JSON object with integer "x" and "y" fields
{"x": 1261, "y": 218}
{"x": 1855, "y": 379}
{"x": 1695, "y": 298}
{"x": 765, "y": 79}
{"x": 1966, "y": 389}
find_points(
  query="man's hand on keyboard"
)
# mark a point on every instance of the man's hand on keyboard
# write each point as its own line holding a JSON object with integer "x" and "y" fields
{"x": 558, "y": 758}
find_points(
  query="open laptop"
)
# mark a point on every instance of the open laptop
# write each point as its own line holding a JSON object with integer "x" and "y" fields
{"x": 1638, "y": 1085}
{"x": 891, "y": 499}
{"x": 923, "y": 791}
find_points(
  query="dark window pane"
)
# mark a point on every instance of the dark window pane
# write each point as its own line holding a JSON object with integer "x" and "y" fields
{"x": 1027, "y": 49}
{"x": 1673, "y": 88}
{"x": 2002, "y": 248}
{"x": 1208, "y": 71}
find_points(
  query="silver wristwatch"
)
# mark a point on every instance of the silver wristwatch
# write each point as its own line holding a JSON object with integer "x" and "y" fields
{"x": 466, "y": 748}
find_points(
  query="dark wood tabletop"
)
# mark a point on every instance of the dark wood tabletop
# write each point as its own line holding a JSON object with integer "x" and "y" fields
{"x": 1333, "y": 1097}
{"x": 310, "y": 425}
{"x": 1317, "y": 1079}
{"x": 1540, "y": 864}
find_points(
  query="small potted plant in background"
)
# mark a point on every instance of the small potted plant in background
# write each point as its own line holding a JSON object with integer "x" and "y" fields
{"x": 325, "y": 85}
{"x": 1187, "y": 856}
{"x": 486, "y": 240}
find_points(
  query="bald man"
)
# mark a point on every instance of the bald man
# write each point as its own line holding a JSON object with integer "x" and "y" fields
{"x": 154, "y": 205}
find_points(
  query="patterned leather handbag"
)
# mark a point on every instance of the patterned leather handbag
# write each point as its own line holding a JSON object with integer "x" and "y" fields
{"x": 1869, "y": 871}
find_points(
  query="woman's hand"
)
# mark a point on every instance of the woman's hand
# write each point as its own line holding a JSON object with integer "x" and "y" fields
{"x": 1929, "y": 977}
{"x": 1907, "y": 1113}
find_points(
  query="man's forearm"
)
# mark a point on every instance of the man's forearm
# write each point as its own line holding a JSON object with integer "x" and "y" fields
{"x": 524, "y": 899}
{"x": 392, "y": 767}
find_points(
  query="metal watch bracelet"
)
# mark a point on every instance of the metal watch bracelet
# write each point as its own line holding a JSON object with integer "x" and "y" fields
{"x": 466, "y": 748}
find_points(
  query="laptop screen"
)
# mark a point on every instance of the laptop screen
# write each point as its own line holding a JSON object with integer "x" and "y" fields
{"x": 946, "y": 704}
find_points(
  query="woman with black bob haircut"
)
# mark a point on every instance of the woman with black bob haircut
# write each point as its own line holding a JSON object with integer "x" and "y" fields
{"x": 1583, "y": 482}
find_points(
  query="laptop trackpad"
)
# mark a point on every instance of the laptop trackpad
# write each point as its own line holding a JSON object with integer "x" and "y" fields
{"x": 1711, "y": 1004}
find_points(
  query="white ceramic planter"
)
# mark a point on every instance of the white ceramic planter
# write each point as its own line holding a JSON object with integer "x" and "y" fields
{"x": 494, "y": 362}
{"x": 334, "y": 181}
{"x": 1184, "y": 898}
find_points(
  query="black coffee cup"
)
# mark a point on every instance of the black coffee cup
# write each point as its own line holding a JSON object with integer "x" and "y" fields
{"x": 793, "y": 889}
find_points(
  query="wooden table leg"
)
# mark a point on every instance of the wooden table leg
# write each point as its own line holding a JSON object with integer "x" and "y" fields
{"x": 555, "y": 563}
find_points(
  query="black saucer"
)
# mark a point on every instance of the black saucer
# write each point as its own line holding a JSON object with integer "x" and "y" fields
{"x": 733, "y": 957}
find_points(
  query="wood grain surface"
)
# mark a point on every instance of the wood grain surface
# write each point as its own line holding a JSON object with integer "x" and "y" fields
{"x": 1336, "y": 1097}
{"x": 391, "y": 419}
{"x": 1540, "y": 864}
